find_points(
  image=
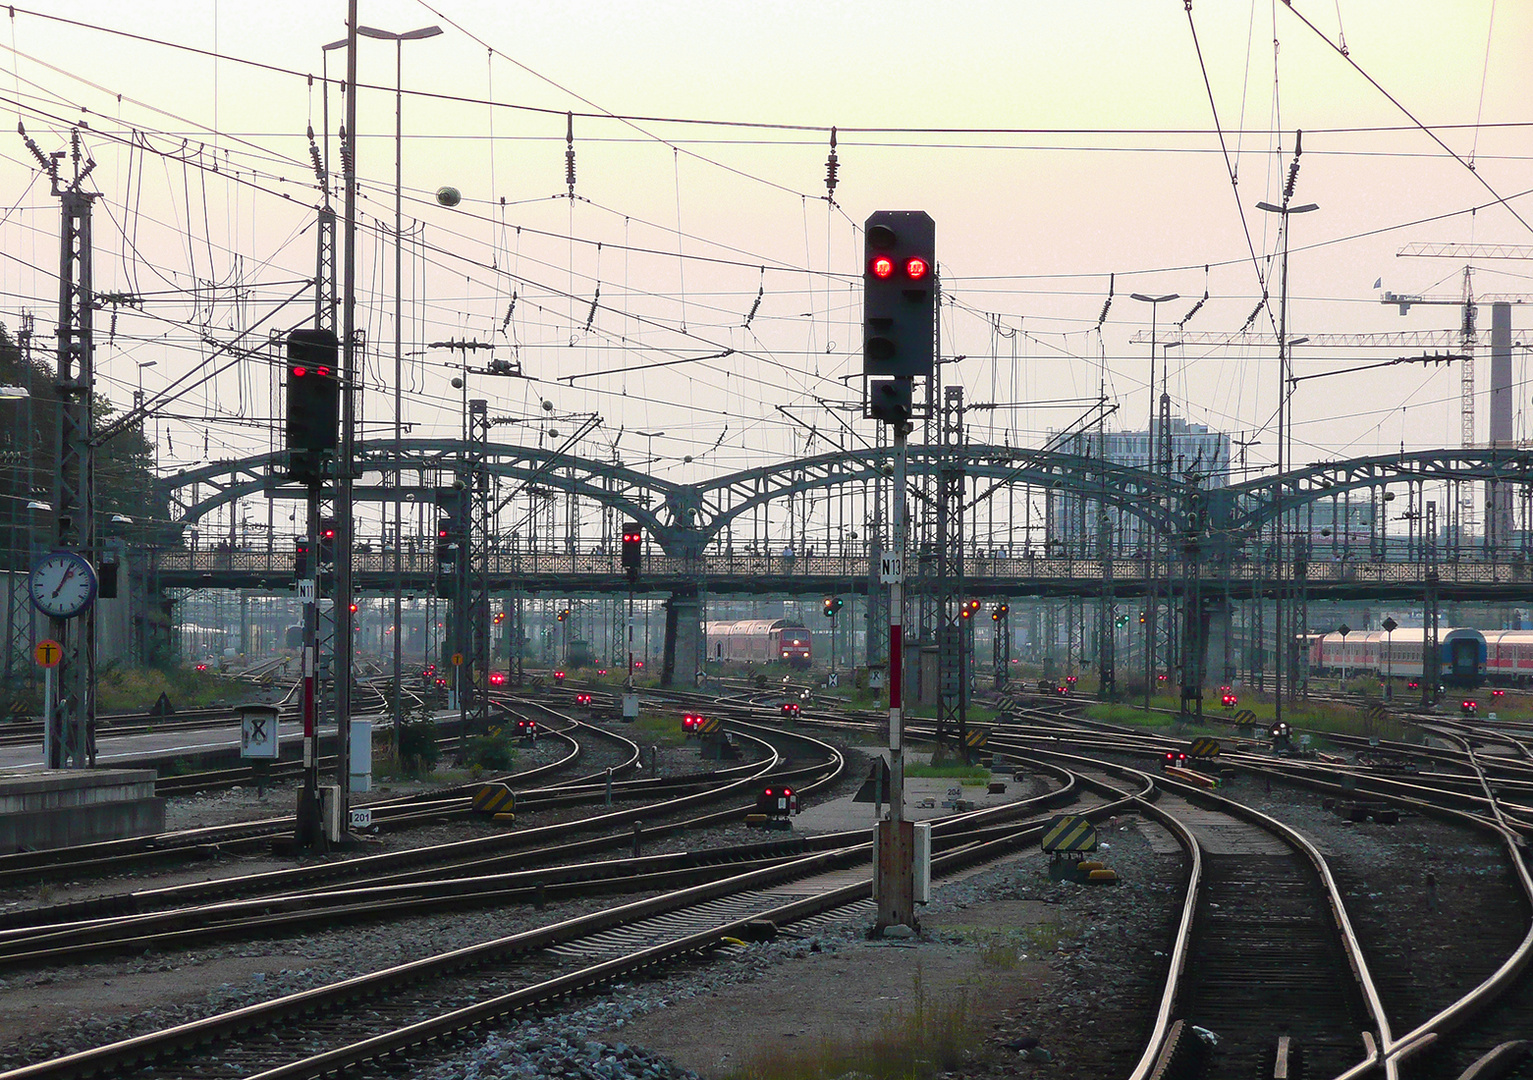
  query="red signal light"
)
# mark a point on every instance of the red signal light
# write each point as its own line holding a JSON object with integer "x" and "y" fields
{"x": 300, "y": 372}
{"x": 881, "y": 267}
{"x": 916, "y": 268}
{"x": 353, "y": 609}
{"x": 322, "y": 371}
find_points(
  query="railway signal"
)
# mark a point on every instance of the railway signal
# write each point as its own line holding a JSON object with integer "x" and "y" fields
{"x": 327, "y": 542}
{"x": 777, "y": 802}
{"x": 899, "y": 294}
{"x": 999, "y": 613}
{"x": 633, "y": 540}
{"x": 1469, "y": 707}
{"x": 448, "y": 547}
{"x": 313, "y": 400}
{"x": 300, "y": 558}
{"x": 968, "y": 609}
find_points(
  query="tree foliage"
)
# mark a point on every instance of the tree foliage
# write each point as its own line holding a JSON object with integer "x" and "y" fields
{"x": 29, "y": 462}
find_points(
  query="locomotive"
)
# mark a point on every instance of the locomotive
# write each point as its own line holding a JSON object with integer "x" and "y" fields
{"x": 759, "y": 641}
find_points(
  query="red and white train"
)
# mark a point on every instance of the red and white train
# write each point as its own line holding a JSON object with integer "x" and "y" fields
{"x": 1466, "y": 657}
{"x": 759, "y": 641}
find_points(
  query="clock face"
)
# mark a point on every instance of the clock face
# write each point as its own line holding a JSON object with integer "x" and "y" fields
{"x": 63, "y": 584}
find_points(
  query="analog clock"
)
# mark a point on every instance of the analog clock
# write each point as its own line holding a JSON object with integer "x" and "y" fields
{"x": 63, "y": 584}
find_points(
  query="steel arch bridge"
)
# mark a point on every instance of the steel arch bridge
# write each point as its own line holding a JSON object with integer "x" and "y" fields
{"x": 684, "y": 519}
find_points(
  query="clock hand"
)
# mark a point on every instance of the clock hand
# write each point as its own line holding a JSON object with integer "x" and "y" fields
{"x": 67, "y": 575}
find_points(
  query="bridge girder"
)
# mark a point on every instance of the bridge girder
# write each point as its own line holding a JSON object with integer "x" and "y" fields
{"x": 684, "y": 518}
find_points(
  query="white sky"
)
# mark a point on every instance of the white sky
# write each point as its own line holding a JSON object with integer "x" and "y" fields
{"x": 1054, "y": 144}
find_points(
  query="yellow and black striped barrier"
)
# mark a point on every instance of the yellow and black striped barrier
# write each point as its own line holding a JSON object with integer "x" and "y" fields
{"x": 709, "y": 725}
{"x": 496, "y": 799}
{"x": 976, "y": 737}
{"x": 1204, "y": 748}
{"x": 1245, "y": 717}
{"x": 1068, "y": 833}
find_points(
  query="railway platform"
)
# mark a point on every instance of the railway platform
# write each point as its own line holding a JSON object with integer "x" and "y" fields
{"x": 51, "y": 808}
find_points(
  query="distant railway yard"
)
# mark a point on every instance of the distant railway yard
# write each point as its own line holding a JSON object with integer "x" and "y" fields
{"x": 1114, "y": 894}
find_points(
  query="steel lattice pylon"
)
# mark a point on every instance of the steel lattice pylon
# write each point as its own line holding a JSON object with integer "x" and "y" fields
{"x": 74, "y": 722}
{"x": 474, "y": 598}
{"x": 952, "y": 641}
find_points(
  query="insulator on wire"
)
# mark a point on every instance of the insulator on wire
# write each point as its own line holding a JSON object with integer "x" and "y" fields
{"x": 831, "y": 166}
{"x": 1106, "y": 304}
{"x": 1257, "y": 310}
{"x": 760, "y": 292}
{"x": 509, "y": 309}
{"x": 345, "y": 151}
{"x": 595, "y": 300}
{"x": 569, "y": 152}
{"x": 1293, "y": 168}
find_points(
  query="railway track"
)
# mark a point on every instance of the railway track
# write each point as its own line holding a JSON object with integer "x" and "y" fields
{"x": 190, "y": 845}
{"x": 1269, "y": 948}
{"x": 1450, "y": 1005}
{"x": 388, "y": 1014}
{"x": 193, "y": 912}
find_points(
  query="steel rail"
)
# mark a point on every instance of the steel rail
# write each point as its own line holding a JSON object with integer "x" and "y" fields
{"x": 332, "y": 1061}
{"x": 1180, "y": 951}
{"x": 117, "y": 1056}
{"x": 1388, "y": 1053}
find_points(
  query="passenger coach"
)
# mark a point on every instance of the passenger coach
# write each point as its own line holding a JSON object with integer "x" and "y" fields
{"x": 1462, "y": 654}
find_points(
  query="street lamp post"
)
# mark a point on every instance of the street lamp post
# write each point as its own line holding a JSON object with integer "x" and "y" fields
{"x": 1389, "y": 625}
{"x": 1150, "y": 540}
{"x": 399, "y": 40}
{"x": 1282, "y": 423}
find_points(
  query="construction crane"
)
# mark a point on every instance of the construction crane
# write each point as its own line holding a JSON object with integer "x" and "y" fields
{"x": 1468, "y": 331}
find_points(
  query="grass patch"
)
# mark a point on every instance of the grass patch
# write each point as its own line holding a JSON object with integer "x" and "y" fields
{"x": 920, "y": 1041}
{"x": 1305, "y": 717}
{"x": 658, "y": 729}
{"x": 1129, "y": 715}
{"x": 124, "y": 689}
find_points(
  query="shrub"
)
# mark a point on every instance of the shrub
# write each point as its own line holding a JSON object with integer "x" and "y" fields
{"x": 492, "y": 752}
{"x": 418, "y": 750}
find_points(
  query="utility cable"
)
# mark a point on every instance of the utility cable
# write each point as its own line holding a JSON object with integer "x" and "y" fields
{"x": 1342, "y": 52}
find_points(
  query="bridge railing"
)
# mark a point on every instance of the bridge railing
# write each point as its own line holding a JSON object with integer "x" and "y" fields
{"x": 832, "y": 569}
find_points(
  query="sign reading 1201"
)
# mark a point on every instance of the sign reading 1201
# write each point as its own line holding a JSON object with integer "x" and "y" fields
{"x": 63, "y": 584}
